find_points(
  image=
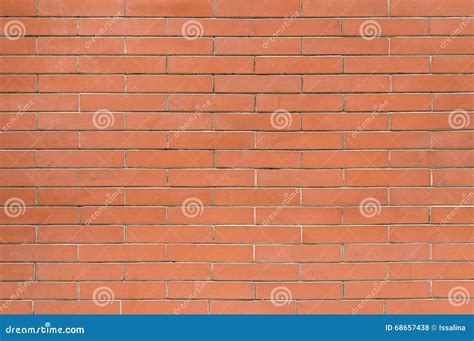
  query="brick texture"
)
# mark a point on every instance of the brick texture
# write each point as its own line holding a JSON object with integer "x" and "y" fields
{"x": 236, "y": 156}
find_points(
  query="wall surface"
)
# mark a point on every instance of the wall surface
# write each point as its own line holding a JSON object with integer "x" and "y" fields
{"x": 236, "y": 156}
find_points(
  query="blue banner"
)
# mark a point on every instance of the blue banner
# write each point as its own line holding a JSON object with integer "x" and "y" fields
{"x": 237, "y": 327}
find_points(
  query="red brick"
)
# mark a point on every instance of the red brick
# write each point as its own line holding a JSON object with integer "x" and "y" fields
{"x": 167, "y": 271}
{"x": 255, "y": 271}
{"x": 426, "y": 307}
{"x": 259, "y": 8}
{"x": 385, "y": 289}
{"x": 343, "y": 8}
{"x": 75, "y": 8}
{"x": 429, "y": 8}
{"x": 169, "y": 8}
{"x": 386, "y": 252}
{"x": 298, "y": 253}
{"x": 343, "y": 271}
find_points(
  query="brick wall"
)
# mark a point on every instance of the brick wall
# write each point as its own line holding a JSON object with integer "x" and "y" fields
{"x": 236, "y": 156}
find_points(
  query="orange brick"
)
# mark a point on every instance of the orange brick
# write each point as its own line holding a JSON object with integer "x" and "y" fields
{"x": 377, "y": 290}
{"x": 381, "y": 252}
{"x": 343, "y": 271}
{"x": 298, "y": 253}
{"x": 354, "y": 234}
{"x": 242, "y": 145}
{"x": 255, "y": 271}
{"x": 426, "y": 307}
{"x": 167, "y": 271}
